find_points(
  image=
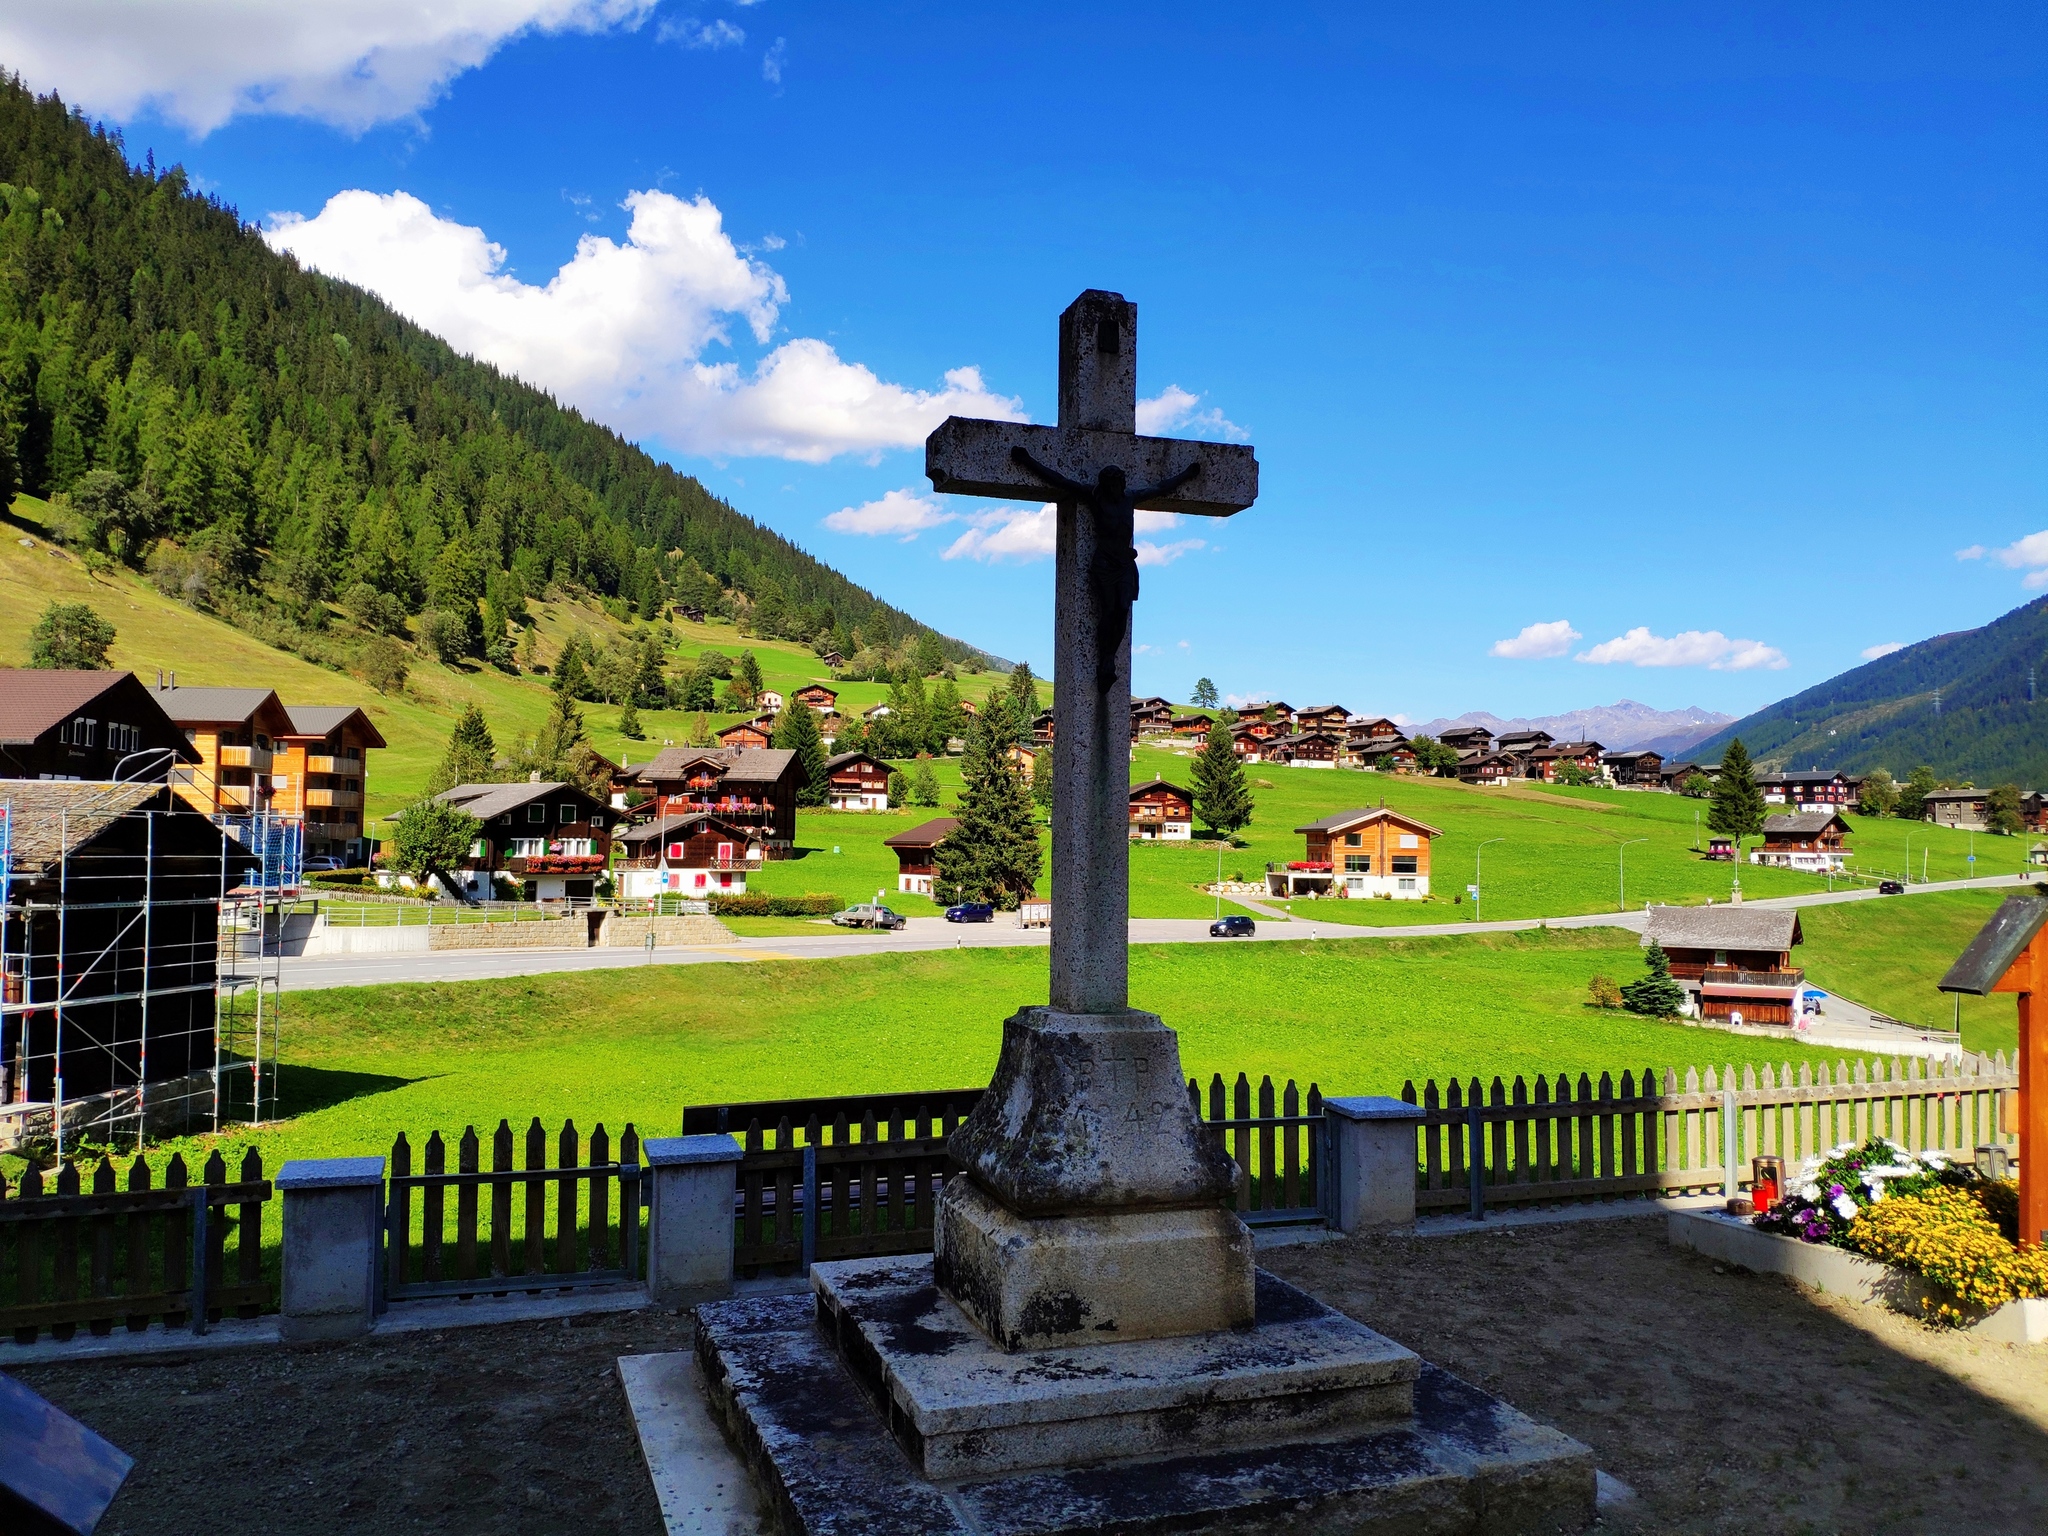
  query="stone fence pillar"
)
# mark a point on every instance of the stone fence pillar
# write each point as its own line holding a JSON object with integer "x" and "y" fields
{"x": 333, "y": 1222}
{"x": 1372, "y": 1162}
{"x": 690, "y": 1218}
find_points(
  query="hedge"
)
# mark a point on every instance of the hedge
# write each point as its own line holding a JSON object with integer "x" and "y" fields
{"x": 811, "y": 904}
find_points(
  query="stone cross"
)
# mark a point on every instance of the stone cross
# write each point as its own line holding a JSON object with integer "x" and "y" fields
{"x": 1100, "y": 472}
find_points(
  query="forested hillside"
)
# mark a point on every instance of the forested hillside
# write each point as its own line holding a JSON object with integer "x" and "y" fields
{"x": 1986, "y": 728}
{"x": 286, "y": 450}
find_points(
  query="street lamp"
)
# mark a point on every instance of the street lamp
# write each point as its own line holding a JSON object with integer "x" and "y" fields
{"x": 1478, "y": 854}
{"x": 1624, "y": 870}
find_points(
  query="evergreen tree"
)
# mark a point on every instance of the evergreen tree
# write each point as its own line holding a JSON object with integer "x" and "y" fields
{"x": 748, "y": 674}
{"x": 1205, "y": 696}
{"x": 924, "y": 786}
{"x": 1737, "y": 807}
{"x": 529, "y": 648}
{"x": 1223, "y": 800}
{"x": 70, "y": 637}
{"x": 899, "y": 787}
{"x": 1023, "y": 693}
{"x": 629, "y": 723}
{"x": 926, "y": 659}
{"x": 1656, "y": 994}
{"x": 1042, "y": 780}
{"x": 572, "y": 671}
{"x": 796, "y": 730}
{"x": 948, "y": 720}
{"x": 1914, "y": 792}
{"x": 471, "y": 754}
{"x": 993, "y": 854}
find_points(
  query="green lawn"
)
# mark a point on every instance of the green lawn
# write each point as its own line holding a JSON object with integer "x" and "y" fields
{"x": 1889, "y": 954}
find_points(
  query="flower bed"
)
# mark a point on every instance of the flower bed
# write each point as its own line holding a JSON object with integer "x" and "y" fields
{"x": 1918, "y": 1211}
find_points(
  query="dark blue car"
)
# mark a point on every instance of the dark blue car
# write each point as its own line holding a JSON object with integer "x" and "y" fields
{"x": 971, "y": 912}
{"x": 1235, "y": 926}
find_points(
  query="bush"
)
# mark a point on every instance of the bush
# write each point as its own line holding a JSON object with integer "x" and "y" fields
{"x": 1949, "y": 1236}
{"x": 187, "y": 575}
{"x": 757, "y": 904}
{"x": 444, "y": 634}
{"x": 1603, "y": 992}
{"x": 382, "y": 664}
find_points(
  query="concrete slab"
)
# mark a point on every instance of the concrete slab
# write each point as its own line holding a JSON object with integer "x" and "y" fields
{"x": 829, "y": 1466}
{"x": 702, "y": 1488}
{"x": 961, "y": 1407}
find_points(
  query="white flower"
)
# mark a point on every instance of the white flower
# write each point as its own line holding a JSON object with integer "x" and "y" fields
{"x": 1876, "y": 1192}
{"x": 1845, "y": 1207}
{"x": 1809, "y": 1193}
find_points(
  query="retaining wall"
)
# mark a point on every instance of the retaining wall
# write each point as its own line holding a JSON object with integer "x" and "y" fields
{"x": 571, "y": 932}
{"x": 631, "y": 932}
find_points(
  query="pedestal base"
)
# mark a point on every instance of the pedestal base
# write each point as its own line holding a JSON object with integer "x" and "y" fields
{"x": 830, "y": 1464}
{"x": 1043, "y": 1282}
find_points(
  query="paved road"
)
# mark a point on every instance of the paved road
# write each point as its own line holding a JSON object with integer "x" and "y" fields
{"x": 930, "y": 933}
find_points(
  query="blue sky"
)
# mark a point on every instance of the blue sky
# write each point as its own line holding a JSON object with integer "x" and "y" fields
{"x": 1586, "y": 354}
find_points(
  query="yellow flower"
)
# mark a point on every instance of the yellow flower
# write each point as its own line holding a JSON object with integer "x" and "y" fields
{"x": 1948, "y": 1236}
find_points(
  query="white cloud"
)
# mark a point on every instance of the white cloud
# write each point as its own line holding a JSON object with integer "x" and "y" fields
{"x": 1693, "y": 648}
{"x": 901, "y": 512}
{"x": 620, "y": 330}
{"x": 692, "y": 33}
{"x": 1173, "y": 410}
{"x": 1973, "y": 552}
{"x": 201, "y": 62}
{"x": 1885, "y": 648}
{"x": 771, "y": 61}
{"x": 1537, "y": 641}
{"x": 1006, "y": 533}
{"x": 1166, "y": 554}
{"x": 2030, "y": 555}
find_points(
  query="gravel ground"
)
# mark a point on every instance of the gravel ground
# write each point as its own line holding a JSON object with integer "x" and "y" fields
{"x": 1730, "y": 1402}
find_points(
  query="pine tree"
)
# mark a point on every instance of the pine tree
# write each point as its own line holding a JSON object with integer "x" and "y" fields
{"x": 470, "y": 756}
{"x": 899, "y": 788}
{"x": 747, "y": 673}
{"x": 796, "y": 730}
{"x": 924, "y": 786}
{"x": 993, "y": 854}
{"x": 572, "y": 671}
{"x": 1222, "y": 797}
{"x": 1023, "y": 694}
{"x": 529, "y": 648}
{"x": 1205, "y": 696}
{"x": 629, "y": 724}
{"x": 1656, "y": 993}
{"x": 1737, "y": 807}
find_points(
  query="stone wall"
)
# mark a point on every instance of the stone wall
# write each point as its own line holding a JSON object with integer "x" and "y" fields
{"x": 631, "y": 932}
{"x": 571, "y": 932}
{"x": 170, "y": 1107}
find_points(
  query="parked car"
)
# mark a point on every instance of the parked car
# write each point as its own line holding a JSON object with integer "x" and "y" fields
{"x": 1235, "y": 926}
{"x": 868, "y": 914}
{"x": 322, "y": 861}
{"x": 1890, "y": 888}
{"x": 971, "y": 912}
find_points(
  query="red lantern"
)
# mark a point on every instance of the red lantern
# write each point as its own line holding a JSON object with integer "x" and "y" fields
{"x": 1766, "y": 1179}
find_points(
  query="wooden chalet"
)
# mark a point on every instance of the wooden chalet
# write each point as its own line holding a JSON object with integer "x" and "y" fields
{"x": 113, "y": 909}
{"x": 1522, "y": 743}
{"x": 747, "y": 734}
{"x": 856, "y": 781}
{"x": 1468, "y": 738}
{"x": 1370, "y": 852}
{"x": 1372, "y": 751}
{"x": 1306, "y": 749}
{"x": 1024, "y": 759}
{"x": 1196, "y": 725}
{"x": 1378, "y": 725}
{"x": 1151, "y": 717}
{"x": 1323, "y": 717}
{"x": 1673, "y": 775}
{"x": 2034, "y": 810}
{"x": 915, "y": 861}
{"x": 1964, "y": 809}
{"x": 819, "y": 698}
{"x": 1813, "y": 841}
{"x": 1543, "y": 762}
{"x": 1637, "y": 769}
{"x": 1734, "y": 962}
{"x": 833, "y": 660}
{"x": 85, "y": 725}
{"x": 1247, "y": 743}
{"x": 1488, "y": 768}
{"x": 547, "y": 839}
{"x": 1161, "y": 812}
{"x": 751, "y": 787}
{"x": 1816, "y": 787}
{"x": 1041, "y": 727}
{"x": 1276, "y": 709}
{"x": 691, "y": 612}
{"x": 1259, "y": 728}
{"x": 694, "y": 853}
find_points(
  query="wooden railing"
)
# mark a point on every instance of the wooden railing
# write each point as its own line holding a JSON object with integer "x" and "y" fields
{"x": 1280, "y": 1155}
{"x": 498, "y": 1238}
{"x": 1560, "y": 1143}
{"x": 112, "y": 1255}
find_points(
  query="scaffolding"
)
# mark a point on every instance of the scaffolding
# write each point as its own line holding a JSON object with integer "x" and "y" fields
{"x": 140, "y": 951}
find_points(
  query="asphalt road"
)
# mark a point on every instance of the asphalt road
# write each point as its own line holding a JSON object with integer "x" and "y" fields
{"x": 932, "y": 933}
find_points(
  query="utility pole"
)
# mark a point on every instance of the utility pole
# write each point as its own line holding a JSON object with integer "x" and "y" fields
{"x": 1477, "y": 856}
{"x": 1624, "y": 870}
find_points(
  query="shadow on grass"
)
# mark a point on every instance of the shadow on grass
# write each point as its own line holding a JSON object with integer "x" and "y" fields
{"x": 301, "y": 1090}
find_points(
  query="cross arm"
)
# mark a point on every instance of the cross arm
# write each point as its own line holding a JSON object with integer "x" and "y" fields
{"x": 966, "y": 456}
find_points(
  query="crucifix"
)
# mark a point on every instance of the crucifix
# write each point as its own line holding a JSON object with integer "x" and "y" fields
{"x": 1093, "y": 1205}
{"x": 1100, "y": 474}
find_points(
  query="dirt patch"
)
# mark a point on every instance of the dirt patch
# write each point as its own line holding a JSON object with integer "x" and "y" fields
{"x": 519, "y": 1428}
{"x": 1730, "y": 1402}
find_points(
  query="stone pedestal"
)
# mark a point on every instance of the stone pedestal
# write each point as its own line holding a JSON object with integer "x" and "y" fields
{"x": 333, "y": 1223}
{"x": 1092, "y": 1206}
{"x": 1373, "y": 1153}
{"x": 689, "y": 1218}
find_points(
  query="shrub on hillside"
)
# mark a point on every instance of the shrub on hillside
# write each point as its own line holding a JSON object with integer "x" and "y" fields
{"x": 1603, "y": 992}
{"x": 759, "y": 904}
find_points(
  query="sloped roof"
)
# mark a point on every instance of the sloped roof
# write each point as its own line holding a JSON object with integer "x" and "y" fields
{"x": 1151, "y": 784}
{"x": 1802, "y": 824}
{"x": 1723, "y": 927}
{"x": 679, "y": 821}
{"x": 53, "y": 817}
{"x": 841, "y": 759}
{"x": 201, "y": 706}
{"x": 483, "y": 801}
{"x": 924, "y": 835}
{"x": 32, "y": 699}
{"x": 674, "y": 762}
{"x": 1342, "y": 821}
{"x": 757, "y": 765}
{"x": 325, "y": 719}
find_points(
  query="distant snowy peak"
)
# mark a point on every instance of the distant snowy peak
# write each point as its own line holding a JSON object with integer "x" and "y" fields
{"x": 1618, "y": 727}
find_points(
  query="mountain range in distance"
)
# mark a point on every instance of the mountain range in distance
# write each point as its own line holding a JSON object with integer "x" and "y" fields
{"x": 1623, "y": 726}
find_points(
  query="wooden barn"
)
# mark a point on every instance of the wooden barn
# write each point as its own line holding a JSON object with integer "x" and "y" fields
{"x": 1734, "y": 961}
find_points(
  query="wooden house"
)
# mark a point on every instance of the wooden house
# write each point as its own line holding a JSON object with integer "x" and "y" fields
{"x": 1334, "y": 718}
{"x": 1543, "y": 762}
{"x": 1468, "y": 738}
{"x": 1153, "y": 716}
{"x": 1964, "y": 809}
{"x": 1377, "y": 725}
{"x": 1814, "y": 787}
{"x": 1361, "y": 750}
{"x": 1161, "y": 812}
{"x": 691, "y": 612}
{"x": 1024, "y": 759}
{"x": 1196, "y": 725}
{"x": 1307, "y": 749}
{"x": 693, "y": 853}
{"x": 1488, "y": 768}
{"x": 769, "y": 702}
{"x": 1041, "y": 727}
{"x": 751, "y": 787}
{"x": 856, "y": 781}
{"x": 1259, "y": 728}
{"x": 1809, "y": 840}
{"x": 833, "y": 660}
{"x": 85, "y": 725}
{"x": 549, "y": 840}
{"x": 1637, "y": 769}
{"x": 1370, "y": 852}
{"x": 817, "y": 697}
{"x": 2034, "y": 810}
{"x": 1734, "y": 962}
{"x": 1275, "y": 709}
{"x": 1247, "y": 742}
{"x": 1673, "y": 775}
{"x": 1522, "y": 743}
{"x": 747, "y": 734}
{"x": 914, "y": 853}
